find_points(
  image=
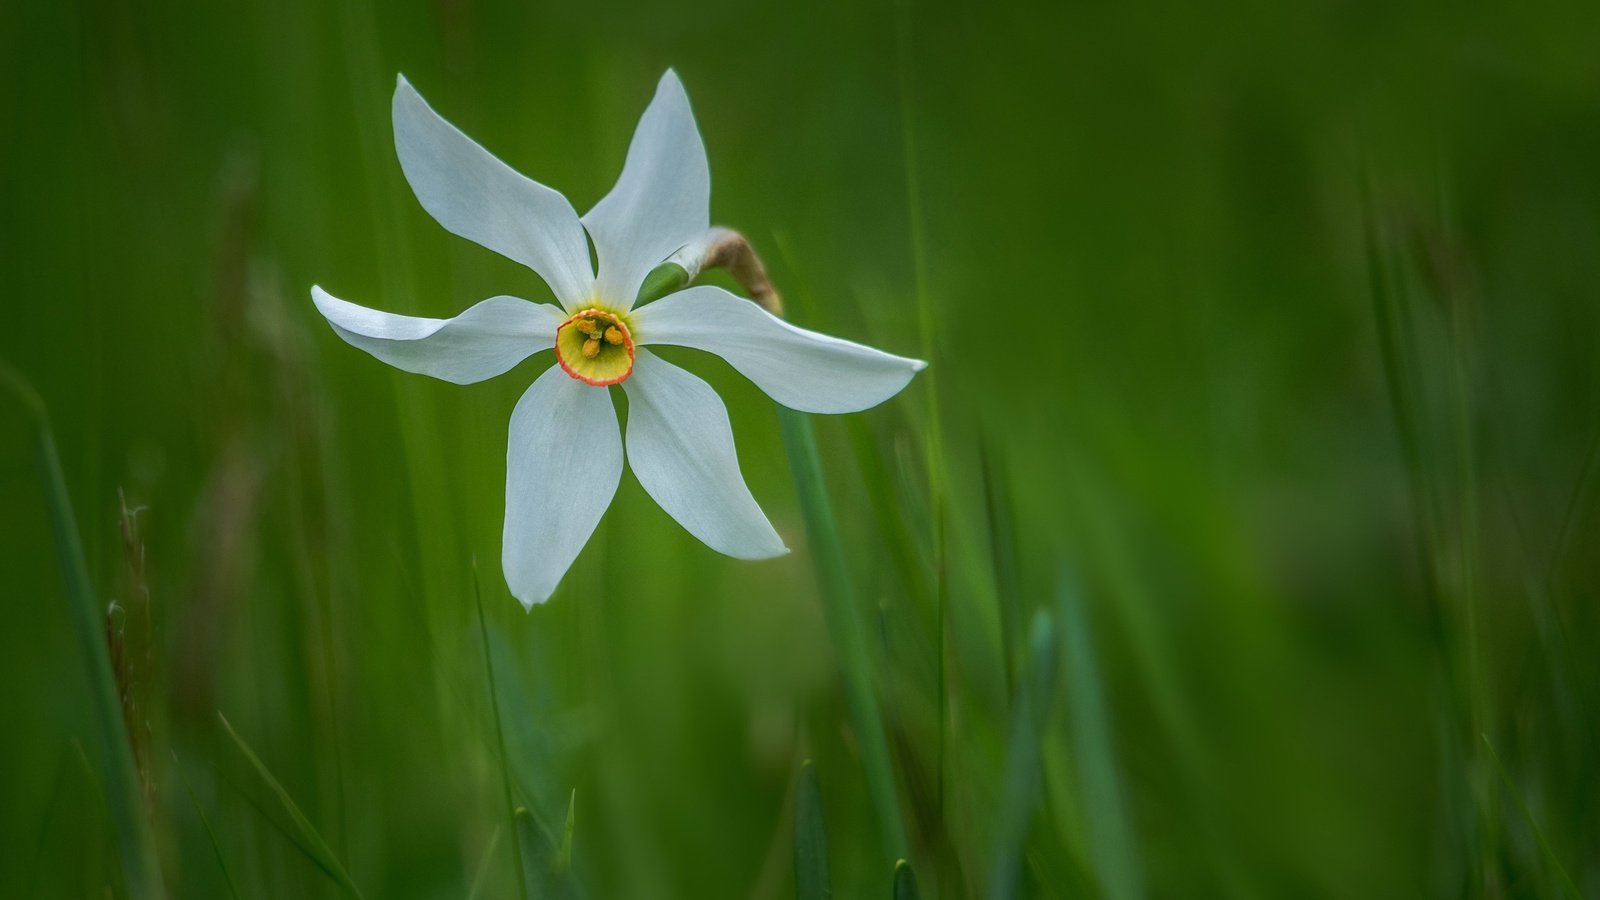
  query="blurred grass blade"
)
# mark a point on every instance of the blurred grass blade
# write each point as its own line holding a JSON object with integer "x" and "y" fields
{"x": 927, "y": 331}
{"x": 905, "y": 882}
{"x": 124, "y": 798}
{"x": 1390, "y": 315}
{"x": 1533, "y": 824}
{"x": 211, "y": 834}
{"x": 543, "y": 876}
{"x": 1003, "y": 552}
{"x": 564, "y": 855}
{"x": 484, "y": 865}
{"x": 534, "y": 845}
{"x": 1034, "y": 696}
{"x": 892, "y": 521}
{"x": 1113, "y": 852}
{"x": 76, "y": 808}
{"x": 1582, "y": 497}
{"x": 845, "y": 627}
{"x": 307, "y": 838}
{"x": 520, "y": 867}
{"x": 810, "y": 839}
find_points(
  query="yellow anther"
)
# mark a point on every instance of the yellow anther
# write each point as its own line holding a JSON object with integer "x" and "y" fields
{"x": 595, "y": 347}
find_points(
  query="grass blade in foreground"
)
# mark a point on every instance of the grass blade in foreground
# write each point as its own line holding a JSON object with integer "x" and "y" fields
{"x": 1035, "y": 693}
{"x": 484, "y": 865}
{"x": 905, "y": 882}
{"x": 547, "y": 866}
{"x": 534, "y": 844}
{"x": 499, "y": 734}
{"x": 563, "y": 861}
{"x": 810, "y": 839}
{"x": 1110, "y": 829}
{"x": 1003, "y": 551}
{"x": 124, "y": 799}
{"x": 211, "y": 834}
{"x": 1533, "y": 824}
{"x": 308, "y": 840}
{"x": 844, "y": 623}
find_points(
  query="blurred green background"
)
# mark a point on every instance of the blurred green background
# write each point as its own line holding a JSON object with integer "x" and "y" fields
{"x": 1264, "y": 371}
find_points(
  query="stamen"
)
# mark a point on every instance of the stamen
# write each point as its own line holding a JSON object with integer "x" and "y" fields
{"x": 595, "y": 347}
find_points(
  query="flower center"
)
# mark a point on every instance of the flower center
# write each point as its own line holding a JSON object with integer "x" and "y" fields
{"x": 595, "y": 347}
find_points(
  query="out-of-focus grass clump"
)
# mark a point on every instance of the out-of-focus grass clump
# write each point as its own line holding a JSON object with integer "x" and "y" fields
{"x": 1240, "y": 540}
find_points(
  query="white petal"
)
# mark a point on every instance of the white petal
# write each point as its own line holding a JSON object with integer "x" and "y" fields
{"x": 486, "y": 340}
{"x": 562, "y": 467}
{"x": 680, "y": 446}
{"x": 482, "y": 199}
{"x": 801, "y": 369}
{"x": 661, "y": 201}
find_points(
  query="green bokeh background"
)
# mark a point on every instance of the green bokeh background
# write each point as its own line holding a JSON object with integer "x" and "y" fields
{"x": 1263, "y": 337}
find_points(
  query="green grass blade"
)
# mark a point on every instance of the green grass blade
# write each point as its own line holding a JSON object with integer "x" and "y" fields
{"x": 306, "y": 836}
{"x": 1109, "y": 826}
{"x": 484, "y": 865}
{"x": 893, "y": 524}
{"x": 211, "y": 834}
{"x": 499, "y": 734}
{"x": 1533, "y": 824}
{"x": 927, "y": 329}
{"x": 534, "y": 844}
{"x": 563, "y": 863}
{"x": 1581, "y": 499}
{"x": 905, "y": 882}
{"x": 1003, "y": 553}
{"x": 124, "y": 798}
{"x": 810, "y": 839}
{"x": 1034, "y": 696}
{"x": 845, "y": 626}
{"x": 1389, "y": 315}
{"x": 77, "y": 808}
{"x": 541, "y": 859}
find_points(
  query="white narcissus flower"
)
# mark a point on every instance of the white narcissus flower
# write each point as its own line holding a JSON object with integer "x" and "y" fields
{"x": 565, "y": 454}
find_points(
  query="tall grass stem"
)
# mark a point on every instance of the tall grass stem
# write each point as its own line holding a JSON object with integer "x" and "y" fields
{"x": 135, "y": 840}
{"x": 845, "y": 626}
{"x": 499, "y": 735}
{"x": 927, "y": 330}
{"x": 810, "y": 838}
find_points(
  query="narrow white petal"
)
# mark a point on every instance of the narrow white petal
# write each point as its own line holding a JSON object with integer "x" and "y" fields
{"x": 661, "y": 201}
{"x": 480, "y": 198}
{"x": 680, "y": 446}
{"x": 562, "y": 467}
{"x": 801, "y": 369}
{"x": 489, "y": 338}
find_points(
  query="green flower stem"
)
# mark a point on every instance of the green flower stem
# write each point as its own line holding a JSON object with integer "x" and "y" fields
{"x": 844, "y": 624}
{"x": 124, "y": 799}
